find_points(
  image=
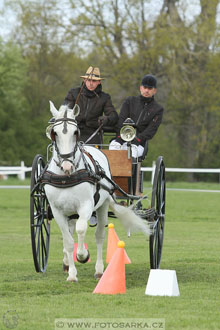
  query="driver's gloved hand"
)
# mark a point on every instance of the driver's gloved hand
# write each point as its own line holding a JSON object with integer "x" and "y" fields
{"x": 119, "y": 140}
{"x": 103, "y": 120}
{"x": 136, "y": 141}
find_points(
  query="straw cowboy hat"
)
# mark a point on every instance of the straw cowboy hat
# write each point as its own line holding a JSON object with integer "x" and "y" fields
{"x": 92, "y": 73}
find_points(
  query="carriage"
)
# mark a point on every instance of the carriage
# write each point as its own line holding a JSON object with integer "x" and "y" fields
{"x": 126, "y": 184}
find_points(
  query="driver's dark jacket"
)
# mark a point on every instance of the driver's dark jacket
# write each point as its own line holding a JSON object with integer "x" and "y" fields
{"x": 145, "y": 112}
{"x": 93, "y": 104}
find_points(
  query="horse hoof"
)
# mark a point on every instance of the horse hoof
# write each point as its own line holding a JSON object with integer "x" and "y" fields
{"x": 85, "y": 260}
{"x": 98, "y": 276}
{"x": 65, "y": 268}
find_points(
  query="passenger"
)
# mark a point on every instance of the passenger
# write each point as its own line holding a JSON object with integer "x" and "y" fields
{"x": 96, "y": 107}
{"x": 146, "y": 114}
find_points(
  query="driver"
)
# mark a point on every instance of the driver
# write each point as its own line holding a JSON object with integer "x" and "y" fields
{"x": 96, "y": 107}
{"x": 146, "y": 114}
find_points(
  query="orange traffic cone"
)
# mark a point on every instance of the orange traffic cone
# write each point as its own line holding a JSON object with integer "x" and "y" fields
{"x": 113, "y": 279}
{"x": 113, "y": 244}
{"x": 75, "y": 249}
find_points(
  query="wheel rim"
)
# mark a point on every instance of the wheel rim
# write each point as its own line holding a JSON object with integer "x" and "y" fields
{"x": 40, "y": 227}
{"x": 158, "y": 203}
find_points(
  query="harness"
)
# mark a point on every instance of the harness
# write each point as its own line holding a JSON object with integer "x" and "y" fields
{"x": 83, "y": 175}
{"x": 79, "y": 176}
{"x": 64, "y": 181}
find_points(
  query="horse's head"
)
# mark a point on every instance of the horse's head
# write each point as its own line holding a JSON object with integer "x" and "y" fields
{"x": 64, "y": 133}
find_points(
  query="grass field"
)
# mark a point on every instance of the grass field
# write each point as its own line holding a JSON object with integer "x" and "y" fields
{"x": 191, "y": 247}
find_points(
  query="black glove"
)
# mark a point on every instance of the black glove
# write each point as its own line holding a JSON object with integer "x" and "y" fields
{"x": 136, "y": 141}
{"x": 119, "y": 139}
{"x": 103, "y": 120}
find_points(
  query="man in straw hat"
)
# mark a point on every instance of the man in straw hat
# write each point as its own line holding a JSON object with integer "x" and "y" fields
{"x": 146, "y": 114}
{"x": 96, "y": 107}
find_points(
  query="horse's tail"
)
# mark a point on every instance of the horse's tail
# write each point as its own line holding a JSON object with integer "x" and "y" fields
{"x": 129, "y": 219}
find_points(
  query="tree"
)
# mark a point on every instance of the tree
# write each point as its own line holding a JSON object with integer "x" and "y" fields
{"x": 190, "y": 107}
{"x": 126, "y": 40}
{"x": 13, "y": 106}
{"x": 40, "y": 37}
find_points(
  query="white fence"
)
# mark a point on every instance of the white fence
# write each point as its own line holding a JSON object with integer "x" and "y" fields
{"x": 20, "y": 171}
{"x": 180, "y": 170}
{"x": 14, "y": 170}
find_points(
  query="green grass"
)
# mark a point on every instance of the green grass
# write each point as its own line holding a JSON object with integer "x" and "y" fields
{"x": 12, "y": 180}
{"x": 194, "y": 185}
{"x": 191, "y": 247}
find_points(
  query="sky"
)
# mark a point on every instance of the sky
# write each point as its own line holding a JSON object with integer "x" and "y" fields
{"x": 6, "y": 21}
{"x": 190, "y": 8}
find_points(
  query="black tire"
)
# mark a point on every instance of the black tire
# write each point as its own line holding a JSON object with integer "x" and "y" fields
{"x": 158, "y": 204}
{"x": 39, "y": 222}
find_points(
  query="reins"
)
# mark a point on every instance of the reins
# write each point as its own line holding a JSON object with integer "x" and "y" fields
{"x": 94, "y": 133}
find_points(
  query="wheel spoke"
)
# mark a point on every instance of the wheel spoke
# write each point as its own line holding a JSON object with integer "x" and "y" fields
{"x": 40, "y": 228}
{"x": 158, "y": 202}
{"x": 38, "y": 244}
{"x": 45, "y": 227}
{"x": 155, "y": 247}
{"x": 43, "y": 248}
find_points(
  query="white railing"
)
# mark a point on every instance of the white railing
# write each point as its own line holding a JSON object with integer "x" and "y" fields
{"x": 14, "y": 170}
{"x": 21, "y": 170}
{"x": 180, "y": 170}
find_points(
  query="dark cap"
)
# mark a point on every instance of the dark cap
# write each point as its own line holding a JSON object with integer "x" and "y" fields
{"x": 149, "y": 81}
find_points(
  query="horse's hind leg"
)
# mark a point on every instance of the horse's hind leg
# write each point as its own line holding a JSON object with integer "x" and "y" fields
{"x": 102, "y": 215}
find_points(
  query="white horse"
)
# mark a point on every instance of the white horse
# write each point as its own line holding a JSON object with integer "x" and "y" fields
{"x": 72, "y": 161}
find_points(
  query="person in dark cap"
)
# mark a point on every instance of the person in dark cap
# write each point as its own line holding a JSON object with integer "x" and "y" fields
{"x": 95, "y": 106}
{"x": 146, "y": 114}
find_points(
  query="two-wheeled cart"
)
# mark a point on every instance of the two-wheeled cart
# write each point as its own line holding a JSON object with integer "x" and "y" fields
{"x": 128, "y": 180}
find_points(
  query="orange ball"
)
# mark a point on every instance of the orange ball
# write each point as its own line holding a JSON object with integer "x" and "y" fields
{"x": 121, "y": 244}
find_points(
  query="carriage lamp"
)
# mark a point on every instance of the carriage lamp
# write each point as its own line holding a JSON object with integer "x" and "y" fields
{"x": 128, "y": 132}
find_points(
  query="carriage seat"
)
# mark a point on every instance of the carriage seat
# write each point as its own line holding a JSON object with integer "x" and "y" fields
{"x": 133, "y": 183}
{"x": 121, "y": 168}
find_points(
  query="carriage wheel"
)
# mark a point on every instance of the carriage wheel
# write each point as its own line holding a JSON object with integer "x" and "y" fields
{"x": 158, "y": 203}
{"x": 40, "y": 227}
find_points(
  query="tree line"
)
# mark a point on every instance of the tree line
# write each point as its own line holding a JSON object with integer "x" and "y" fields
{"x": 52, "y": 43}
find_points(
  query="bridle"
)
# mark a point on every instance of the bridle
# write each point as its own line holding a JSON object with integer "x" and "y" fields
{"x": 78, "y": 145}
{"x": 64, "y": 157}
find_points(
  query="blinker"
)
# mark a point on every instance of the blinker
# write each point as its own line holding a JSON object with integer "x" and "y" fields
{"x": 49, "y": 132}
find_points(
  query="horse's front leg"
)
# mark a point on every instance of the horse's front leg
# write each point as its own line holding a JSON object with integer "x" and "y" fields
{"x": 72, "y": 224}
{"x": 68, "y": 244}
{"x": 102, "y": 215}
{"x": 82, "y": 254}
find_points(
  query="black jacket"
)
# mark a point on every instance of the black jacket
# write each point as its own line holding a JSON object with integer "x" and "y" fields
{"x": 145, "y": 112}
{"x": 93, "y": 104}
